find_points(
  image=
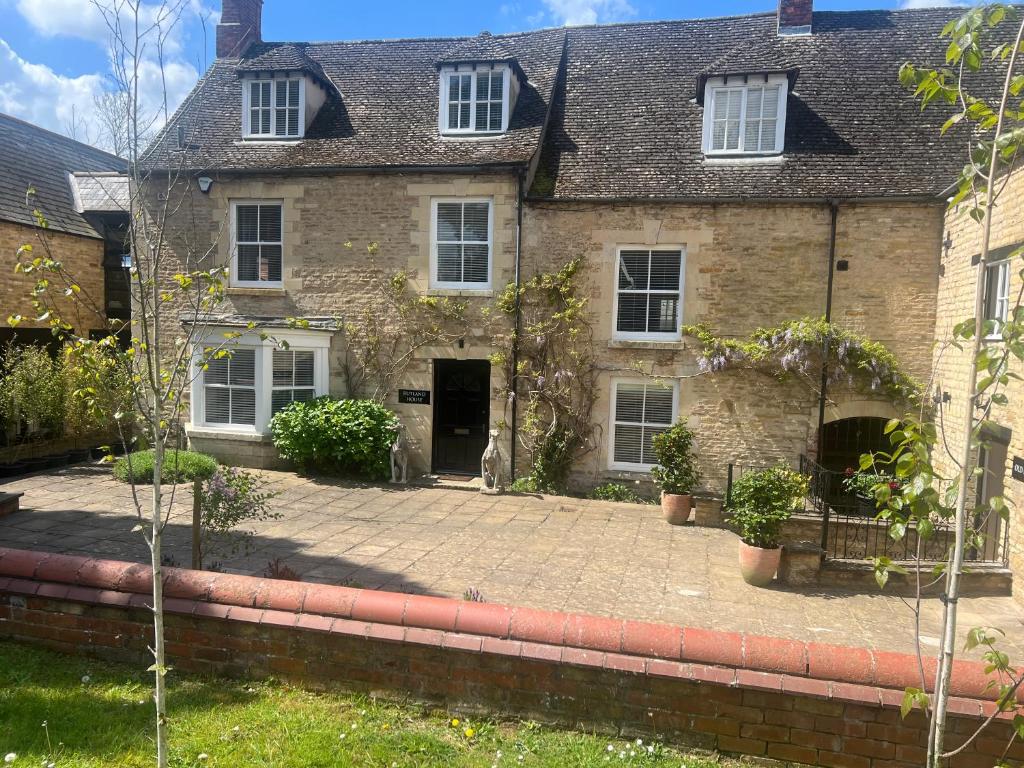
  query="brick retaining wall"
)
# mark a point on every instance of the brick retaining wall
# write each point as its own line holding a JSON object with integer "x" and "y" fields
{"x": 804, "y": 702}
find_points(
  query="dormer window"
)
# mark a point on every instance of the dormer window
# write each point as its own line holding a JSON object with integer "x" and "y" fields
{"x": 745, "y": 115}
{"x": 475, "y": 99}
{"x": 274, "y": 109}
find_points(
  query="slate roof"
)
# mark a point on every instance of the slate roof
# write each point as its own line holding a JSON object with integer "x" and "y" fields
{"x": 31, "y": 156}
{"x": 383, "y": 112}
{"x": 283, "y": 57}
{"x": 624, "y": 123}
{"x": 100, "y": 192}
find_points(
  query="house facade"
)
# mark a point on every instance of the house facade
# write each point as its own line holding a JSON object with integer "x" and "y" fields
{"x": 737, "y": 172}
{"x": 1002, "y": 458}
{"x": 82, "y": 194}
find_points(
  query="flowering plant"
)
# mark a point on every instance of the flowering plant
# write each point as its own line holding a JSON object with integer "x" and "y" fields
{"x": 230, "y": 498}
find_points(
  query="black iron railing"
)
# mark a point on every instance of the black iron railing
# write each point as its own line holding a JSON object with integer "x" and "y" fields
{"x": 851, "y": 529}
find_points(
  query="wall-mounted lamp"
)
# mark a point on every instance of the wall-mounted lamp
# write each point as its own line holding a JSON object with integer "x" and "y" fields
{"x": 205, "y": 182}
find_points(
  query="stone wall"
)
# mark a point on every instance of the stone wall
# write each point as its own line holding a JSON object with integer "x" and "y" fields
{"x": 326, "y": 278}
{"x": 952, "y": 366}
{"x": 749, "y": 266}
{"x": 804, "y": 702}
{"x": 83, "y": 260}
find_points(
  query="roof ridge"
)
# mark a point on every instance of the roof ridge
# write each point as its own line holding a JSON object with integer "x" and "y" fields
{"x": 61, "y": 136}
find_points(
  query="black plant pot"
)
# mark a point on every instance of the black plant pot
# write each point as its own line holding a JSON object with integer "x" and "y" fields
{"x": 78, "y": 455}
{"x": 36, "y": 463}
{"x": 57, "y": 460}
{"x": 12, "y": 469}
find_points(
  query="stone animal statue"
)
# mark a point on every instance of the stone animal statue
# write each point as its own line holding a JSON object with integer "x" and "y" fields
{"x": 400, "y": 457}
{"x": 491, "y": 466}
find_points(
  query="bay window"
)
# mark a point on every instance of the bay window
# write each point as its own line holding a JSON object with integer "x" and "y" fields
{"x": 240, "y": 383}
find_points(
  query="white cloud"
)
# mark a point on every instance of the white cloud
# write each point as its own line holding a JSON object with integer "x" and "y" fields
{"x": 35, "y": 92}
{"x": 574, "y": 12}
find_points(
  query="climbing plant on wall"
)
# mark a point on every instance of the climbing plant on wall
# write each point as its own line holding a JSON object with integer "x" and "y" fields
{"x": 798, "y": 349}
{"x": 555, "y": 374}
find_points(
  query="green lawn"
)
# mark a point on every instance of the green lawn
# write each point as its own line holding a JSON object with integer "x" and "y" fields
{"x": 96, "y": 714}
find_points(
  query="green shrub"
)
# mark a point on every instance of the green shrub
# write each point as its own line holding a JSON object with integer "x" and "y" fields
{"x": 618, "y": 492}
{"x": 351, "y": 437}
{"x": 525, "y": 484}
{"x": 32, "y": 390}
{"x": 676, "y": 471}
{"x": 762, "y": 501}
{"x": 178, "y": 467}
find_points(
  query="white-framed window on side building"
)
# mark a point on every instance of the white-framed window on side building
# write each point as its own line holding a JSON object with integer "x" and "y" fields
{"x": 257, "y": 244}
{"x": 649, "y": 293}
{"x": 241, "y": 383}
{"x": 461, "y": 243}
{"x": 639, "y": 410}
{"x": 997, "y": 295}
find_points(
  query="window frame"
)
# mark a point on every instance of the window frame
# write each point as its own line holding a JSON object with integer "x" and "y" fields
{"x": 233, "y": 281}
{"x": 613, "y": 422}
{"x": 247, "y": 132}
{"x": 677, "y": 335}
{"x": 462, "y": 286}
{"x": 473, "y": 71}
{"x": 229, "y": 387}
{"x": 990, "y": 304}
{"x": 714, "y": 86}
{"x": 293, "y": 386}
{"x": 317, "y": 342}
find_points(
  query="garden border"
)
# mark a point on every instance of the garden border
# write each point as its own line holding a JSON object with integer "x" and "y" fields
{"x": 103, "y": 605}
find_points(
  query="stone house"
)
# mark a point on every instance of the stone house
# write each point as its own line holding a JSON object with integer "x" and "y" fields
{"x": 82, "y": 193}
{"x": 1002, "y": 461}
{"x": 737, "y": 172}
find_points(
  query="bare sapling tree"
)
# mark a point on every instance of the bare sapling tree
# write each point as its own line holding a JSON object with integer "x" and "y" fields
{"x": 980, "y": 85}
{"x": 176, "y": 284}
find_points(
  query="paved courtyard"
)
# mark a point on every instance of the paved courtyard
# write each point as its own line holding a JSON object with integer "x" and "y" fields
{"x": 558, "y": 553}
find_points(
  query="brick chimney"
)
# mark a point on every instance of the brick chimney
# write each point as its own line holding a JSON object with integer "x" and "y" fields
{"x": 795, "y": 17}
{"x": 239, "y": 26}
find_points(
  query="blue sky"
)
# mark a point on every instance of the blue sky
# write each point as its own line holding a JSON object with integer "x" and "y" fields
{"x": 54, "y": 53}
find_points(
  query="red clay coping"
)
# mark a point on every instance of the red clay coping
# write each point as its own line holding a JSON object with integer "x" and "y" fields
{"x": 860, "y": 675}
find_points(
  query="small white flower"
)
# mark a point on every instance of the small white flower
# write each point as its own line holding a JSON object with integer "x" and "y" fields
{"x": 202, "y": 756}
{"x": 650, "y": 749}
{"x": 622, "y": 755}
{"x": 342, "y": 735}
{"x": 632, "y": 753}
{"x": 86, "y": 678}
{"x": 610, "y": 748}
{"x": 498, "y": 754}
{"x": 639, "y": 742}
{"x": 10, "y": 757}
{"x": 354, "y": 726}
{"x": 236, "y": 729}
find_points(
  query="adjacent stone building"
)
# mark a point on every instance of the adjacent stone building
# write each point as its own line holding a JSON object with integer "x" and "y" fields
{"x": 1002, "y": 460}
{"x": 81, "y": 193}
{"x": 737, "y": 172}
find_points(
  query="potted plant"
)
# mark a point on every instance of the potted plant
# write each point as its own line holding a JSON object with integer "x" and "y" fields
{"x": 676, "y": 472}
{"x": 863, "y": 484}
{"x": 760, "y": 504}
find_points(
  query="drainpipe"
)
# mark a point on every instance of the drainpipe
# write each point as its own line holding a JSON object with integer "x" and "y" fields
{"x": 822, "y": 398}
{"x": 520, "y": 179}
{"x": 826, "y": 491}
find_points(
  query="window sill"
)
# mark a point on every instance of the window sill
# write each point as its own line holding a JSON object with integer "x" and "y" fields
{"x": 744, "y": 159}
{"x": 676, "y": 345}
{"x": 271, "y": 291}
{"x": 612, "y": 473}
{"x": 268, "y": 141}
{"x": 481, "y": 292}
{"x": 209, "y": 433}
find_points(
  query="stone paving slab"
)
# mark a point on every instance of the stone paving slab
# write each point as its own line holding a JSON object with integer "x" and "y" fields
{"x": 556, "y": 553}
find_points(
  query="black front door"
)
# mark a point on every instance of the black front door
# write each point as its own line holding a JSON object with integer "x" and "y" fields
{"x": 462, "y": 395}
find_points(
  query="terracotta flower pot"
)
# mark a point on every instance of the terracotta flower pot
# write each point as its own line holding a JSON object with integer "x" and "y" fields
{"x": 758, "y": 565}
{"x": 676, "y": 507}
